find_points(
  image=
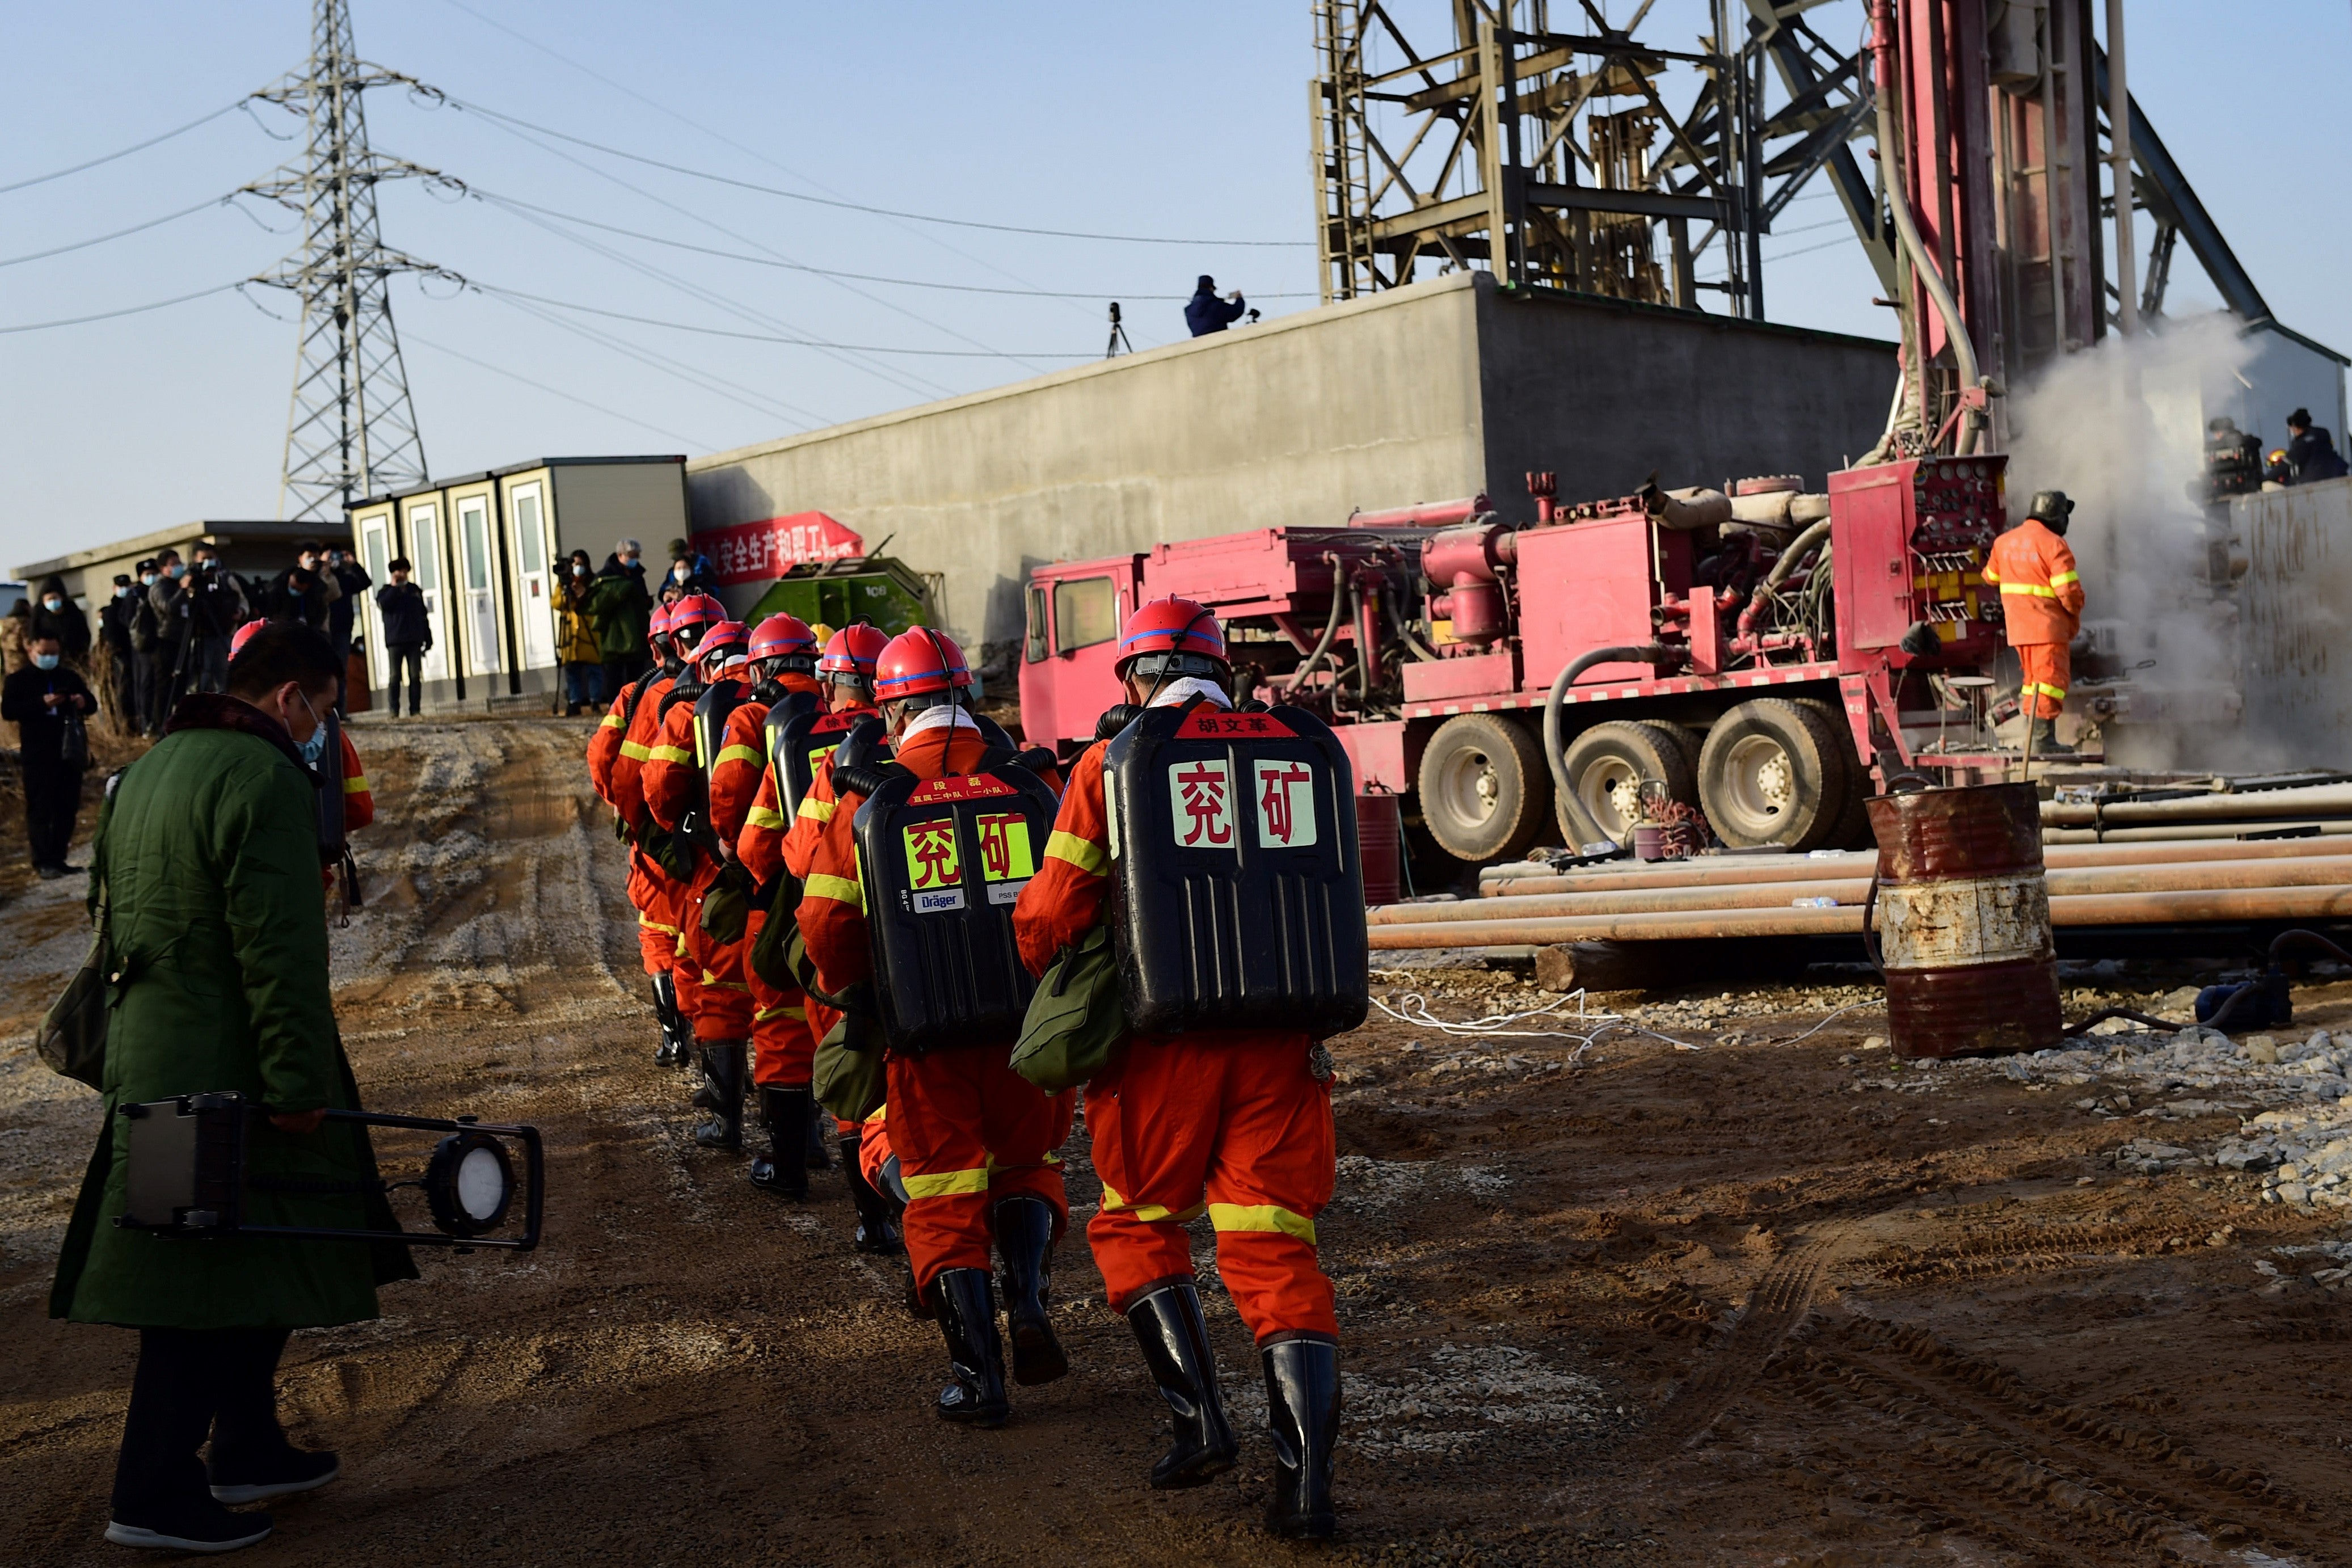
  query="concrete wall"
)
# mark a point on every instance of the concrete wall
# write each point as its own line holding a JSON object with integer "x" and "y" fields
{"x": 1420, "y": 394}
{"x": 2295, "y": 602}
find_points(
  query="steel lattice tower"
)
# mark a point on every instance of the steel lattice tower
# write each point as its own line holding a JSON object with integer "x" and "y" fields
{"x": 352, "y": 430}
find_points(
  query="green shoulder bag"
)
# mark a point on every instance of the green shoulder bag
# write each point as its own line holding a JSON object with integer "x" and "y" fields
{"x": 1076, "y": 1022}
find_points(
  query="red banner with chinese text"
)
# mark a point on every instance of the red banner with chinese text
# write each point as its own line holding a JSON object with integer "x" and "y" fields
{"x": 761, "y": 551}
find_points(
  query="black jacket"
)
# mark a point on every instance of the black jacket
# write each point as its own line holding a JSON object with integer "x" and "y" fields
{"x": 115, "y": 618}
{"x": 354, "y": 581}
{"x": 40, "y": 730}
{"x": 67, "y": 624}
{"x": 402, "y": 606}
{"x": 1206, "y": 313}
{"x": 2311, "y": 456}
{"x": 282, "y": 601}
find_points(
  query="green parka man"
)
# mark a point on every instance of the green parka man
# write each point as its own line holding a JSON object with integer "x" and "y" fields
{"x": 207, "y": 855}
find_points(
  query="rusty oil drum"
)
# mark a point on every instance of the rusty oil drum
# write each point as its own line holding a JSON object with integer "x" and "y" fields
{"x": 1962, "y": 922}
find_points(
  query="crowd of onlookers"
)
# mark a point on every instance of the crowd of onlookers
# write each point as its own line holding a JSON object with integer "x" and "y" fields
{"x": 601, "y": 615}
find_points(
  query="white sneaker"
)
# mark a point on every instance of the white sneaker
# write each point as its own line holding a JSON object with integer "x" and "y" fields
{"x": 250, "y": 1528}
{"x": 237, "y": 1495}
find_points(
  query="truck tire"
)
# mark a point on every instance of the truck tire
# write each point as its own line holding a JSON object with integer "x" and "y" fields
{"x": 1607, "y": 762}
{"x": 1484, "y": 790}
{"x": 1774, "y": 772}
{"x": 1852, "y": 829}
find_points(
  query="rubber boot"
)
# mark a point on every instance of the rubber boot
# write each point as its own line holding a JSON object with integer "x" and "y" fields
{"x": 1024, "y": 1243}
{"x": 1175, "y": 1342}
{"x": 876, "y": 1234}
{"x": 967, "y": 1313}
{"x": 2045, "y": 741}
{"x": 722, "y": 1094}
{"x": 672, "y": 1051}
{"x": 783, "y": 1111}
{"x": 819, "y": 1122}
{"x": 1302, "y": 1414}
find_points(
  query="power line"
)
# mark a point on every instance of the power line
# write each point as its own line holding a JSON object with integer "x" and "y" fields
{"x": 126, "y": 310}
{"x": 135, "y": 147}
{"x": 693, "y": 375}
{"x": 118, "y": 233}
{"x": 762, "y": 337}
{"x": 454, "y": 103}
{"x": 1095, "y": 294}
{"x": 552, "y": 391}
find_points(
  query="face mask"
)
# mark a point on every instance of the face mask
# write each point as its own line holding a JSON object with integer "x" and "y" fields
{"x": 176, "y": 569}
{"x": 579, "y": 569}
{"x": 316, "y": 746}
{"x": 681, "y": 572}
{"x": 44, "y": 661}
{"x": 53, "y": 603}
{"x": 148, "y": 581}
{"x": 309, "y": 564}
{"x": 122, "y": 591}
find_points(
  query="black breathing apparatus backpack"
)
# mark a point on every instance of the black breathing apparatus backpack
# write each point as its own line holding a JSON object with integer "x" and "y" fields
{"x": 941, "y": 862}
{"x": 798, "y": 746}
{"x": 1237, "y": 895}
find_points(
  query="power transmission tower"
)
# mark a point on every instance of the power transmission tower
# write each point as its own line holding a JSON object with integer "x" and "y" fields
{"x": 352, "y": 431}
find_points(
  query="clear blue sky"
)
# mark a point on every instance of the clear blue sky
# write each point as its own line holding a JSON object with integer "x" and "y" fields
{"x": 1130, "y": 119}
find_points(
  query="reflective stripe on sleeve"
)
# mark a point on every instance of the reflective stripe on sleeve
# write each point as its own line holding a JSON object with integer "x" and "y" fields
{"x": 1149, "y": 1214}
{"x": 651, "y": 924}
{"x": 2063, "y": 578}
{"x": 356, "y": 784}
{"x": 1083, "y": 853}
{"x": 2033, "y": 689}
{"x": 741, "y": 754}
{"x": 1260, "y": 1216}
{"x": 761, "y": 816}
{"x": 840, "y": 890}
{"x": 764, "y": 1013}
{"x": 712, "y": 983}
{"x": 612, "y": 721}
{"x": 945, "y": 1183}
{"x": 632, "y": 751}
{"x": 2038, "y": 591}
{"x": 669, "y": 754}
{"x": 816, "y": 810}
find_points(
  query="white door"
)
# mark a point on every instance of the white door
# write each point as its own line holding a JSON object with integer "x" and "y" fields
{"x": 534, "y": 587}
{"x": 481, "y": 597}
{"x": 375, "y": 553}
{"x": 424, "y": 555}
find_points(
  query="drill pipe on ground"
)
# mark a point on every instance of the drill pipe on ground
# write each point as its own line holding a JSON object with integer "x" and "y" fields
{"x": 2194, "y": 876}
{"x": 2083, "y": 838}
{"x": 1732, "y": 871}
{"x": 2332, "y": 902}
{"x": 2309, "y": 800}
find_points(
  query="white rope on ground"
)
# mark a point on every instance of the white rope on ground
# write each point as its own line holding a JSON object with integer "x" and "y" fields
{"x": 1825, "y": 1024}
{"x": 1496, "y": 1026}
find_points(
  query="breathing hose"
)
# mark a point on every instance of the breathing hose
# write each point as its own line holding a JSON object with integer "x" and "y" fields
{"x": 1800, "y": 547}
{"x": 1330, "y": 630}
{"x": 1653, "y": 654}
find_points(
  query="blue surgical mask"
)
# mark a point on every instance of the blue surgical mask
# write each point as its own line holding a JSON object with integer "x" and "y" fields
{"x": 52, "y": 604}
{"x": 176, "y": 568}
{"x": 122, "y": 591}
{"x": 316, "y": 746}
{"x": 44, "y": 661}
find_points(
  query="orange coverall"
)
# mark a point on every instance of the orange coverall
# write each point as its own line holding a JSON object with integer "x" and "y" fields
{"x": 761, "y": 846}
{"x": 798, "y": 848}
{"x": 1230, "y": 1120}
{"x": 2041, "y": 602}
{"x": 359, "y": 800}
{"x": 967, "y": 1129}
{"x": 650, "y": 889}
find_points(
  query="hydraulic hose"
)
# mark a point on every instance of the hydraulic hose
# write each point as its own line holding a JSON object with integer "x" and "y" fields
{"x": 1403, "y": 629}
{"x": 1330, "y": 630}
{"x": 1800, "y": 547}
{"x": 1653, "y": 654}
{"x": 1963, "y": 352}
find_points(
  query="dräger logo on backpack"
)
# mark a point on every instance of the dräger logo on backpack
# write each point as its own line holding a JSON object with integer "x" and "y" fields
{"x": 934, "y": 900}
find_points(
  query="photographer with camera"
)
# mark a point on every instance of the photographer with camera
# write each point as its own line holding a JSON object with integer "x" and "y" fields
{"x": 1206, "y": 313}
{"x": 205, "y": 879}
{"x": 212, "y": 604}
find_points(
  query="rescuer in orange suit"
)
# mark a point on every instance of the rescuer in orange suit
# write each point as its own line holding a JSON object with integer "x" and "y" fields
{"x": 655, "y": 893}
{"x": 1234, "y": 1122}
{"x": 2042, "y": 603}
{"x": 717, "y": 1001}
{"x": 975, "y": 1142}
{"x": 771, "y": 847}
{"x": 781, "y": 662}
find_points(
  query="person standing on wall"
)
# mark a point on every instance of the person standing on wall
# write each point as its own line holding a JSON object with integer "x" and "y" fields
{"x": 407, "y": 634}
{"x": 117, "y": 625}
{"x": 208, "y": 854}
{"x": 1206, "y": 313}
{"x": 2311, "y": 454}
{"x": 47, "y": 702}
{"x": 2042, "y": 603}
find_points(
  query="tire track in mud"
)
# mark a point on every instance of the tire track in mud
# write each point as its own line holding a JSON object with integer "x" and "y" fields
{"x": 1966, "y": 1444}
{"x": 1776, "y": 1307}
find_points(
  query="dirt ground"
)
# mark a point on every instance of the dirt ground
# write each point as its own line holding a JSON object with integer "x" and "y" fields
{"x": 1705, "y": 1294}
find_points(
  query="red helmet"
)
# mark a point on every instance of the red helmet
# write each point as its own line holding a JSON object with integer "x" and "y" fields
{"x": 243, "y": 636}
{"x": 722, "y": 640}
{"x": 852, "y": 651}
{"x": 1171, "y": 626}
{"x": 917, "y": 661}
{"x": 781, "y": 635}
{"x": 689, "y": 615}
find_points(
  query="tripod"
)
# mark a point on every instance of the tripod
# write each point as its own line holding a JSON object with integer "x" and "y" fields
{"x": 1119, "y": 338}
